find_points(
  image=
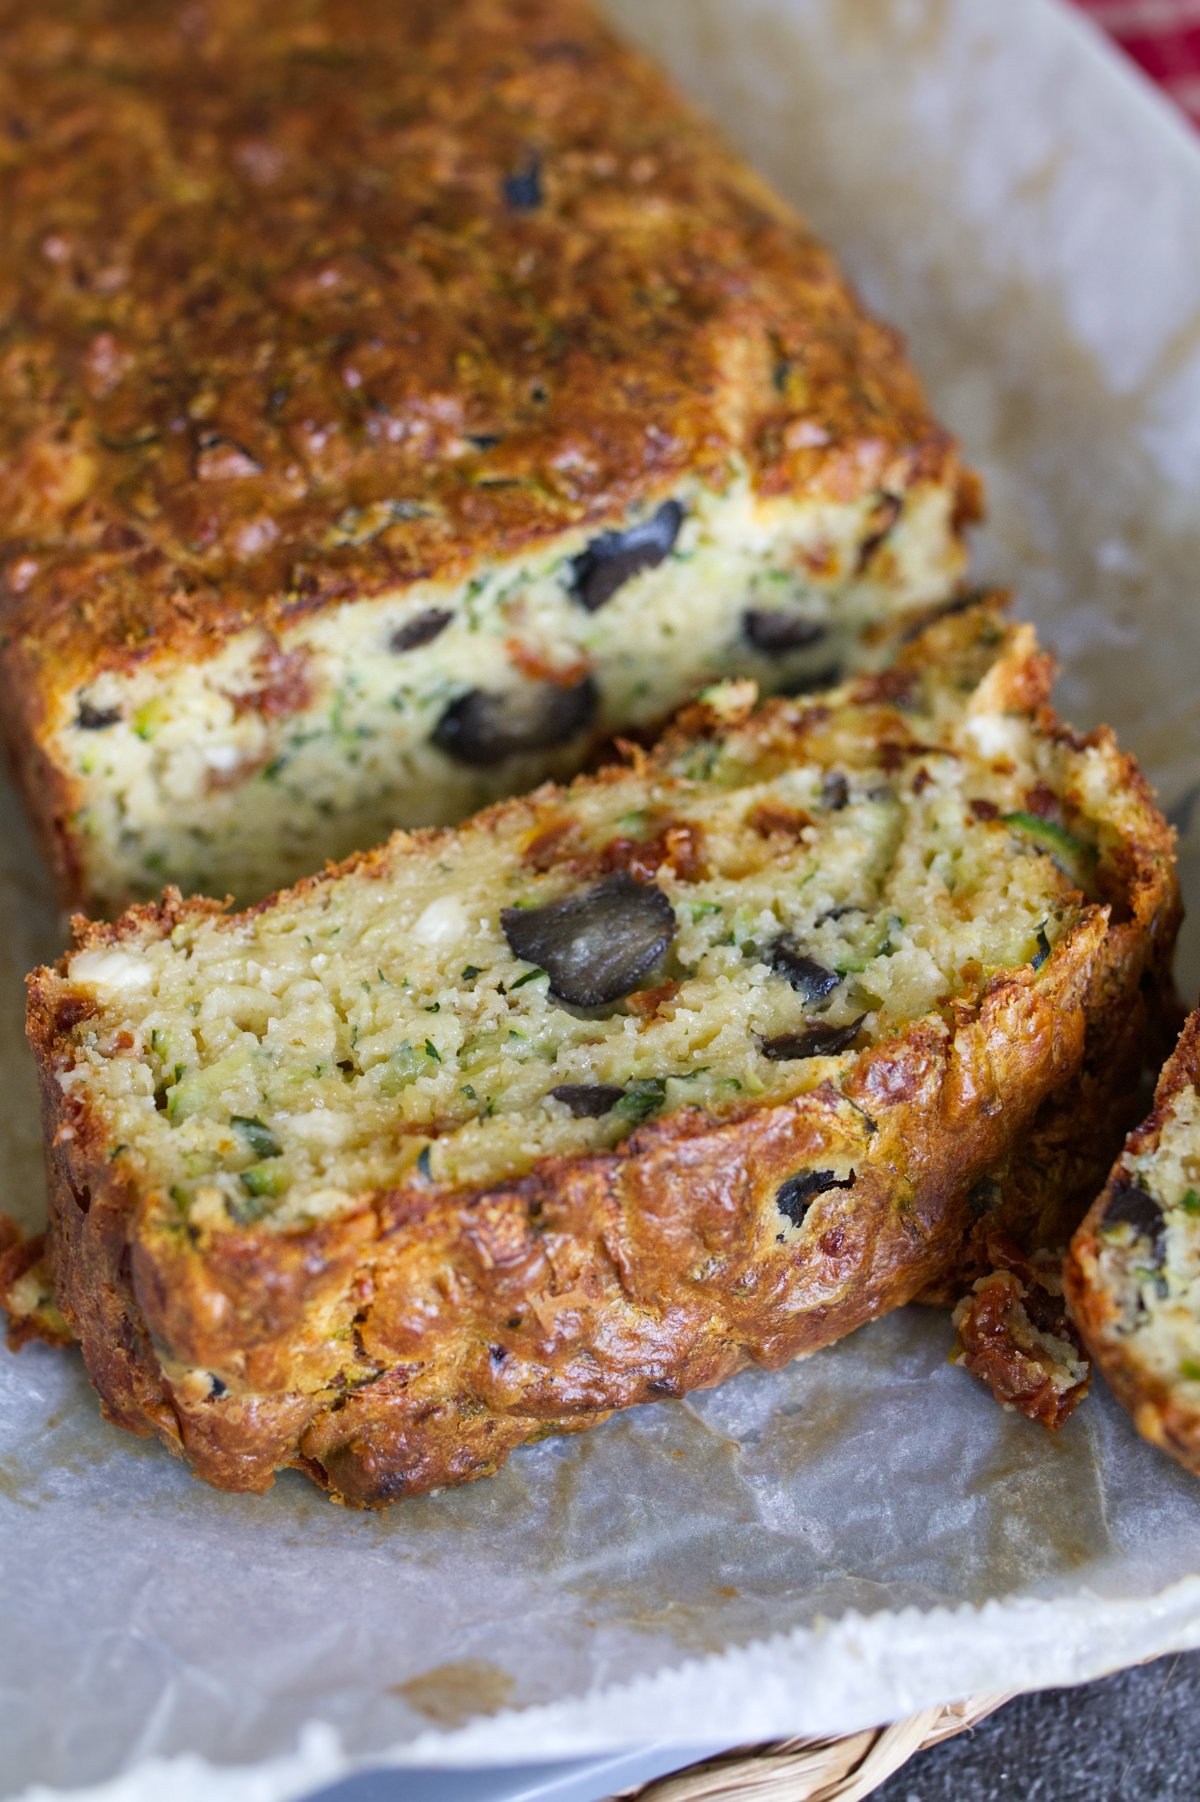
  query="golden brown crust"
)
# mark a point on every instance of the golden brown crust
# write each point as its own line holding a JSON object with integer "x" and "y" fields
{"x": 264, "y": 268}
{"x": 483, "y": 1319}
{"x": 1160, "y": 1410}
{"x": 1041, "y": 1190}
{"x": 416, "y": 1339}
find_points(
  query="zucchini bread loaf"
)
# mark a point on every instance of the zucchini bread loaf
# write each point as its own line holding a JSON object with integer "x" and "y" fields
{"x": 397, "y": 401}
{"x": 698, "y": 1062}
{"x": 1133, "y": 1274}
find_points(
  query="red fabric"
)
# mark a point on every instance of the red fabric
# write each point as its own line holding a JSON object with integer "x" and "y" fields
{"x": 1163, "y": 36}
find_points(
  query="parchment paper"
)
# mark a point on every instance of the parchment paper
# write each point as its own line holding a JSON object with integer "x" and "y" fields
{"x": 866, "y": 1532}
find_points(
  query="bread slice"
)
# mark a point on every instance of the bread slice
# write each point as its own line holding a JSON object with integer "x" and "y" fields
{"x": 700, "y": 1062}
{"x": 1013, "y": 1333}
{"x": 1133, "y": 1274}
{"x": 407, "y": 399}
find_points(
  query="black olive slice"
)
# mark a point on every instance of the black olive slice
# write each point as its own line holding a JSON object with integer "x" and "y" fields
{"x": 805, "y": 974}
{"x": 423, "y": 628}
{"x": 597, "y": 946}
{"x": 1133, "y": 1206}
{"x": 482, "y": 729}
{"x": 523, "y": 187}
{"x": 814, "y": 1041}
{"x": 835, "y": 791}
{"x": 588, "y": 1100}
{"x": 95, "y": 719}
{"x": 612, "y": 557}
{"x": 797, "y": 1194}
{"x": 772, "y": 633}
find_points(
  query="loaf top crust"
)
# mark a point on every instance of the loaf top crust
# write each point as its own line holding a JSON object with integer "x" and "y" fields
{"x": 1132, "y": 1275}
{"x": 307, "y": 302}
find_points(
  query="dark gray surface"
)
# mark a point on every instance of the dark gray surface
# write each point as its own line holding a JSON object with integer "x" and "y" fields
{"x": 1130, "y": 1738}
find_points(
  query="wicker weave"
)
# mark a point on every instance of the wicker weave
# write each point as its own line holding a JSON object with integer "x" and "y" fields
{"x": 817, "y": 1770}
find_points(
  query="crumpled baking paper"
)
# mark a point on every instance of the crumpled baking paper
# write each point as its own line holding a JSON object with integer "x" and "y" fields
{"x": 867, "y": 1532}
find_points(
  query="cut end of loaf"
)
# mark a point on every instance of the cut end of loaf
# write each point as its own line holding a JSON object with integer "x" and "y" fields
{"x": 233, "y": 771}
{"x": 1133, "y": 1275}
{"x": 360, "y": 503}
